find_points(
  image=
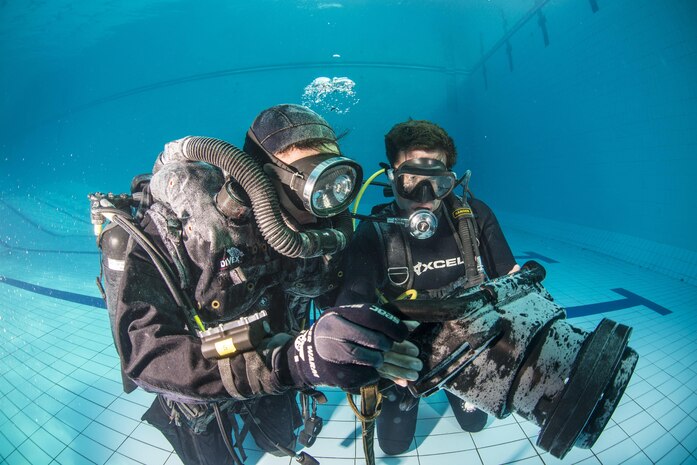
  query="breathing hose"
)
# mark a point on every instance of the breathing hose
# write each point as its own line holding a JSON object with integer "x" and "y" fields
{"x": 250, "y": 175}
{"x": 181, "y": 299}
{"x": 361, "y": 192}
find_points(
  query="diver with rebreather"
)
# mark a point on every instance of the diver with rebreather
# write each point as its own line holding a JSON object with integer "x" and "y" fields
{"x": 212, "y": 294}
{"x": 211, "y": 264}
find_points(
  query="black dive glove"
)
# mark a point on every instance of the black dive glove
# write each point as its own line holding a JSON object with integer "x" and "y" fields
{"x": 344, "y": 347}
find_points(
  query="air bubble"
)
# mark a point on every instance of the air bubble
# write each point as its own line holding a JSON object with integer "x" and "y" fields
{"x": 334, "y": 94}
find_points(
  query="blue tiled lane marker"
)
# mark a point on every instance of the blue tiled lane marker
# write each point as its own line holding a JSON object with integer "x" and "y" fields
{"x": 630, "y": 300}
{"x": 69, "y": 296}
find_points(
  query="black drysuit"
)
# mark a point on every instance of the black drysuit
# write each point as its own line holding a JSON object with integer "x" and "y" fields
{"x": 436, "y": 264}
{"x": 160, "y": 353}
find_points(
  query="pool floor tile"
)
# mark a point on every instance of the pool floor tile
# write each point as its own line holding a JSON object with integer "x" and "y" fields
{"x": 77, "y": 413}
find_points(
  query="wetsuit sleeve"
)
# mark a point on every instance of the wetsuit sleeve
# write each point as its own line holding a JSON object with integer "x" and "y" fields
{"x": 160, "y": 354}
{"x": 363, "y": 267}
{"x": 493, "y": 247}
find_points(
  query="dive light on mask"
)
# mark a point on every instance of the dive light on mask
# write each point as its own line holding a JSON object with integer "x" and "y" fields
{"x": 325, "y": 183}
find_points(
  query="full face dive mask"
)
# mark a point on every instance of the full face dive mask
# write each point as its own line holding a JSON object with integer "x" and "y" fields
{"x": 326, "y": 184}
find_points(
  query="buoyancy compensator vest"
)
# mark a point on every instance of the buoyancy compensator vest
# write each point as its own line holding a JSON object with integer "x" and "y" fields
{"x": 397, "y": 258}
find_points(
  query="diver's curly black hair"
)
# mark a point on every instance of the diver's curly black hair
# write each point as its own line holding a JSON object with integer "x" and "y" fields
{"x": 419, "y": 135}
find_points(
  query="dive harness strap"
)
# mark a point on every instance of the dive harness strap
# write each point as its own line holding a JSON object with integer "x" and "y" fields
{"x": 397, "y": 258}
{"x": 371, "y": 405}
{"x": 467, "y": 238}
{"x": 226, "y": 375}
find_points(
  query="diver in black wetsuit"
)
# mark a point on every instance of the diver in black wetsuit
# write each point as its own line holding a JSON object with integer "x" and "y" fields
{"x": 242, "y": 237}
{"x": 451, "y": 243}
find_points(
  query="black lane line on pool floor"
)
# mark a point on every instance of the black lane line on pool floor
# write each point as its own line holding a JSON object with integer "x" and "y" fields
{"x": 55, "y": 293}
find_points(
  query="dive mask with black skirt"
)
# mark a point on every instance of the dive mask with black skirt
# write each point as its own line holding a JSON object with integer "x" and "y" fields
{"x": 422, "y": 180}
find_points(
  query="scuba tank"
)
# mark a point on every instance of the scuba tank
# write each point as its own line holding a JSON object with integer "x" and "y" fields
{"x": 112, "y": 242}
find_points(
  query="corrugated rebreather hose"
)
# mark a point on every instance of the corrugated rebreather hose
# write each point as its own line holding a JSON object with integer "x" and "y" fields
{"x": 250, "y": 175}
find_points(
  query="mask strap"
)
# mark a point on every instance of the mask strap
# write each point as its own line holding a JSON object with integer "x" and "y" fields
{"x": 291, "y": 178}
{"x": 270, "y": 156}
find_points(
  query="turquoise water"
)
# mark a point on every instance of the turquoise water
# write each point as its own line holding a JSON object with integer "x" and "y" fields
{"x": 595, "y": 127}
{"x": 578, "y": 119}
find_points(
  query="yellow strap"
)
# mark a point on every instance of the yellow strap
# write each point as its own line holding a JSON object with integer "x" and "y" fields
{"x": 410, "y": 294}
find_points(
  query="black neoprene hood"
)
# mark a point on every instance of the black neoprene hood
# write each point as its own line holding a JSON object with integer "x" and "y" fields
{"x": 283, "y": 125}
